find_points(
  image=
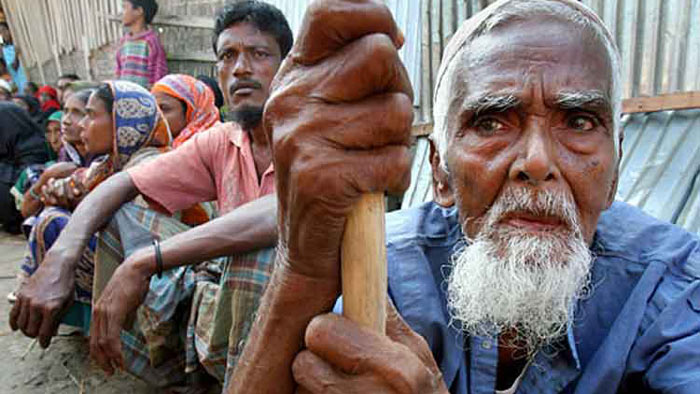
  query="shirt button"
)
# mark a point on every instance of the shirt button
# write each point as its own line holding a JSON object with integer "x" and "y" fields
{"x": 486, "y": 345}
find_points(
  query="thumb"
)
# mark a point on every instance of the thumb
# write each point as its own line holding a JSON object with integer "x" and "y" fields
{"x": 399, "y": 331}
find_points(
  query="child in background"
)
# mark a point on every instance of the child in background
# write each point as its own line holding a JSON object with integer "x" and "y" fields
{"x": 140, "y": 56}
{"x": 11, "y": 55}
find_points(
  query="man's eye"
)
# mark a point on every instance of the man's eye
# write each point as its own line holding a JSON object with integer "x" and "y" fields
{"x": 582, "y": 123}
{"x": 488, "y": 126}
{"x": 261, "y": 54}
{"x": 228, "y": 55}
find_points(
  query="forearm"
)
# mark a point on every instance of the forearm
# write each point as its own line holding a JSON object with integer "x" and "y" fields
{"x": 31, "y": 203}
{"x": 249, "y": 227}
{"x": 93, "y": 213}
{"x": 289, "y": 303}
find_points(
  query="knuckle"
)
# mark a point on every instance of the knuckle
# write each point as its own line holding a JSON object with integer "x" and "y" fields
{"x": 380, "y": 46}
{"x": 402, "y": 111}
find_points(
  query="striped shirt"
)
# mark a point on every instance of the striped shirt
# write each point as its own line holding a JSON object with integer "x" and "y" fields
{"x": 141, "y": 59}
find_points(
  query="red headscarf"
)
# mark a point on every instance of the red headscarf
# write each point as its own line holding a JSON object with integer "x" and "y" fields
{"x": 52, "y": 103}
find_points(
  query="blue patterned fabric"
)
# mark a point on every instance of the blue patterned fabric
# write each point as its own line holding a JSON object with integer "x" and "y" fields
{"x": 135, "y": 116}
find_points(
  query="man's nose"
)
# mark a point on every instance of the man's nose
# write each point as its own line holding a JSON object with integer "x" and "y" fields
{"x": 242, "y": 65}
{"x": 535, "y": 163}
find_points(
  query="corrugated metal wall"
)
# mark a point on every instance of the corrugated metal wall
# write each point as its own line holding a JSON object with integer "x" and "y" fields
{"x": 660, "y": 166}
{"x": 659, "y": 41}
{"x": 408, "y": 18}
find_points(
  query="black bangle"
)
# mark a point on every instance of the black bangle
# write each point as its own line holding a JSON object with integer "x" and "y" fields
{"x": 159, "y": 258}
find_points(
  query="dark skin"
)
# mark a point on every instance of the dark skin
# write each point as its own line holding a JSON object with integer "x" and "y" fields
{"x": 49, "y": 291}
{"x": 133, "y": 18}
{"x": 344, "y": 69}
{"x": 174, "y": 111}
{"x": 53, "y": 135}
{"x": 73, "y": 113}
{"x": 537, "y": 144}
{"x": 97, "y": 137}
{"x": 61, "y": 86}
{"x": 247, "y": 62}
{"x": 246, "y": 54}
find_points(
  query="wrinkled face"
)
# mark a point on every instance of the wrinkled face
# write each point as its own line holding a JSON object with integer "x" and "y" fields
{"x": 98, "y": 130}
{"x": 73, "y": 113}
{"x": 174, "y": 111}
{"x": 53, "y": 135}
{"x": 531, "y": 110}
{"x": 130, "y": 14}
{"x": 247, "y": 62}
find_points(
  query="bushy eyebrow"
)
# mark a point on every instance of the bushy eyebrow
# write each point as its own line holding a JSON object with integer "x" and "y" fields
{"x": 490, "y": 103}
{"x": 588, "y": 100}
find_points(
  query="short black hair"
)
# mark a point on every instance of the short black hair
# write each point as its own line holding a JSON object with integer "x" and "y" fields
{"x": 149, "y": 7}
{"x": 104, "y": 93}
{"x": 211, "y": 82}
{"x": 265, "y": 17}
{"x": 32, "y": 85}
{"x": 72, "y": 77}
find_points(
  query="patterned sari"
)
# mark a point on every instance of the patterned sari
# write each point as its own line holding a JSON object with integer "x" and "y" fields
{"x": 140, "y": 133}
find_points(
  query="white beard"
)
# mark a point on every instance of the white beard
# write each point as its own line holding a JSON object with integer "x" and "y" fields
{"x": 507, "y": 279}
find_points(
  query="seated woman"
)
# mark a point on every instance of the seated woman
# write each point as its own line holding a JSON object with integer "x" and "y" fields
{"x": 71, "y": 156}
{"x": 31, "y": 174}
{"x": 122, "y": 128}
{"x": 187, "y": 104}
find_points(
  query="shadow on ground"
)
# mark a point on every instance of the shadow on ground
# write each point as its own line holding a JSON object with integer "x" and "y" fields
{"x": 64, "y": 367}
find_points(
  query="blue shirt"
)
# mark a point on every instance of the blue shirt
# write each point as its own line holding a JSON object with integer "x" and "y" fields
{"x": 638, "y": 332}
{"x": 18, "y": 76}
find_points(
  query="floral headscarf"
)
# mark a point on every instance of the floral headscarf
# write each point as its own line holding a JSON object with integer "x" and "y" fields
{"x": 138, "y": 124}
{"x": 201, "y": 115}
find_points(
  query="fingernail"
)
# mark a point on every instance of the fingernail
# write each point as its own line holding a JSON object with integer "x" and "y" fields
{"x": 400, "y": 39}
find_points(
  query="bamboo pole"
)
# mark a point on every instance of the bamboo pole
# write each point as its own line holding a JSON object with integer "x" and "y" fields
{"x": 363, "y": 263}
{"x": 363, "y": 257}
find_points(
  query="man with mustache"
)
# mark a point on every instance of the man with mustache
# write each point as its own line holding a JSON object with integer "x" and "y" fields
{"x": 230, "y": 163}
{"x": 523, "y": 275}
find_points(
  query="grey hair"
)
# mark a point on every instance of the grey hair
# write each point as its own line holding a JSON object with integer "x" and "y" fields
{"x": 499, "y": 13}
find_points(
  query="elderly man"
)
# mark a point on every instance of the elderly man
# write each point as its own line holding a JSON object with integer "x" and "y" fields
{"x": 523, "y": 275}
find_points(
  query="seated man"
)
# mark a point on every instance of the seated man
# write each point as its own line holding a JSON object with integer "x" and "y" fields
{"x": 230, "y": 163}
{"x": 523, "y": 275}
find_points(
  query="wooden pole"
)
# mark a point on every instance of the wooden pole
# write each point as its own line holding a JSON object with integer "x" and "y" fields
{"x": 363, "y": 257}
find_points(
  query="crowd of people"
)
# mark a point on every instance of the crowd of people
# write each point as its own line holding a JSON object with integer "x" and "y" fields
{"x": 191, "y": 227}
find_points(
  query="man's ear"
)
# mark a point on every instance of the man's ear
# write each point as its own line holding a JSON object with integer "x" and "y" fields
{"x": 442, "y": 192}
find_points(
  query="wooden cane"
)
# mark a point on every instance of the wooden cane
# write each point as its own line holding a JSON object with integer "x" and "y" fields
{"x": 363, "y": 258}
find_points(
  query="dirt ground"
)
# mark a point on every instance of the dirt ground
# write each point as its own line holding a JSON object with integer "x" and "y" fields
{"x": 64, "y": 367}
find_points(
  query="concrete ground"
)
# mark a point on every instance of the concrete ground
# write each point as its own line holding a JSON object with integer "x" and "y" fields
{"x": 64, "y": 367}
